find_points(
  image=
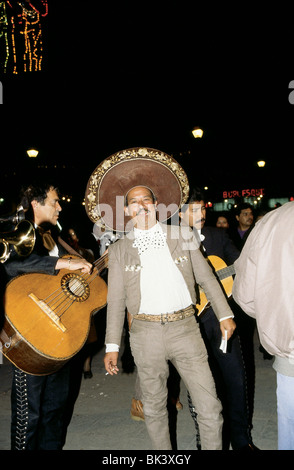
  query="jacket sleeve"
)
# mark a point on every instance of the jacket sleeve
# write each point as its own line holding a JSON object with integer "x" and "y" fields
{"x": 244, "y": 282}
{"x": 32, "y": 264}
{"x": 207, "y": 281}
{"x": 116, "y": 298}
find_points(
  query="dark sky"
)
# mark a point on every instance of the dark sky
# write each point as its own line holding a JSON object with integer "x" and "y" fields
{"x": 129, "y": 74}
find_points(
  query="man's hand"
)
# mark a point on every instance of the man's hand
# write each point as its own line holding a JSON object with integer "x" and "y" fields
{"x": 227, "y": 325}
{"x": 72, "y": 264}
{"x": 110, "y": 362}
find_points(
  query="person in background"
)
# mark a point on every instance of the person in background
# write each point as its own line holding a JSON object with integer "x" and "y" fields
{"x": 246, "y": 326}
{"x": 245, "y": 222}
{"x": 228, "y": 368}
{"x": 74, "y": 242}
{"x": 222, "y": 222}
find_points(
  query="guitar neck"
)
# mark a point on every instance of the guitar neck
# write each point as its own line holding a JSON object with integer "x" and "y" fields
{"x": 101, "y": 263}
{"x": 226, "y": 272}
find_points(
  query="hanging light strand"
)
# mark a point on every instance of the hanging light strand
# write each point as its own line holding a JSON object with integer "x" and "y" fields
{"x": 22, "y": 29}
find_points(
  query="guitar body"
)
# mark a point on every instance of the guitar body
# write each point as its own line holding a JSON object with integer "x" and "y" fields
{"x": 224, "y": 273}
{"x": 47, "y": 318}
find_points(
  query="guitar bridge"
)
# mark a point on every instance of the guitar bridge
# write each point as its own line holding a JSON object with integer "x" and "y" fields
{"x": 49, "y": 312}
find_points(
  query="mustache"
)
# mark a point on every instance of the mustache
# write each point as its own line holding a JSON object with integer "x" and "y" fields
{"x": 142, "y": 210}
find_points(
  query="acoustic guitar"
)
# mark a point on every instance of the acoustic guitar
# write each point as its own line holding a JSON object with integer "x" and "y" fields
{"x": 224, "y": 273}
{"x": 47, "y": 317}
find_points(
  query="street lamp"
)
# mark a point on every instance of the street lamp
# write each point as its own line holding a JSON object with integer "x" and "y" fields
{"x": 32, "y": 153}
{"x": 261, "y": 163}
{"x": 197, "y": 132}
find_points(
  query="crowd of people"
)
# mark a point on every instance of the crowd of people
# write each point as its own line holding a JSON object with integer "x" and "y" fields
{"x": 169, "y": 335}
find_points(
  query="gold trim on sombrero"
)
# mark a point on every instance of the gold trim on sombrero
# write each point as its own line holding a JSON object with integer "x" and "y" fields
{"x": 139, "y": 153}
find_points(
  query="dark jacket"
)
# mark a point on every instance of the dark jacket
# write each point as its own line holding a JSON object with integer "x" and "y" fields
{"x": 39, "y": 261}
{"x": 218, "y": 243}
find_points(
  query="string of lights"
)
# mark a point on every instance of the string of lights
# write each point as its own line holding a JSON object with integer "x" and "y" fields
{"x": 21, "y": 35}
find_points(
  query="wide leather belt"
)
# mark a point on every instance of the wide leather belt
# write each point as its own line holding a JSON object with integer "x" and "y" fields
{"x": 167, "y": 317}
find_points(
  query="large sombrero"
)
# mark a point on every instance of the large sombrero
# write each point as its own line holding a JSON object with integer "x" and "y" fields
{"x": 116, "y": 175}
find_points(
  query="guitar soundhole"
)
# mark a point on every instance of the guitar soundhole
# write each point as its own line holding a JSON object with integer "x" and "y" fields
{"x": 75, "y": 287}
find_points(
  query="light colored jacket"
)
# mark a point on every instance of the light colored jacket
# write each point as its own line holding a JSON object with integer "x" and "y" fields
{"x": 264, "y": 282}
{"x": 124, "y": 278}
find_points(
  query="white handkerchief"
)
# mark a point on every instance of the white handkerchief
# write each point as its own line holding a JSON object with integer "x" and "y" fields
{"x": 224, "y": 343}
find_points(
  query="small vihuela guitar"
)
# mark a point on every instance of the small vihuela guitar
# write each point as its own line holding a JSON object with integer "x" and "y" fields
{"x": 224, "y": 273}
{"x": 47, "y": 317}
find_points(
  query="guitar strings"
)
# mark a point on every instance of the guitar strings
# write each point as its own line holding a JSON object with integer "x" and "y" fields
{"x": 77, "y": 288}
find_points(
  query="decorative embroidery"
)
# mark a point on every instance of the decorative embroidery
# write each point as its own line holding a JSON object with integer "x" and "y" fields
{"x": 92, "y": 197}
{"x": 181, "y": 259}
{"x": 154, "y": 239}
{"x": 22, "y": 410}
{"x": 133, "y": 267}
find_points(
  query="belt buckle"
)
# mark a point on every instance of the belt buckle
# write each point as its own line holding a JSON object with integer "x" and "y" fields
{"x": 162, "y": 315}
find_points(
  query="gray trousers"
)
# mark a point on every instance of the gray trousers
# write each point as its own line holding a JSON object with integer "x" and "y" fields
{"x": 180, "y": 342}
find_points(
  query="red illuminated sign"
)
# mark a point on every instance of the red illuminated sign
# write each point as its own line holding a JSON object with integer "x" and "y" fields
{"x": 243, "y": 193}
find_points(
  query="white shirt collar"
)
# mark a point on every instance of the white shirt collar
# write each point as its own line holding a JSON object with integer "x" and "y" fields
{"x": 141, "y": 233}
{"x": 202, "y": 237}
{"x": 151, "y": 238}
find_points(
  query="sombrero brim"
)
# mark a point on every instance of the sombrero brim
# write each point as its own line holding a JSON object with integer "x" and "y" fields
{"x": 115, "y": 176}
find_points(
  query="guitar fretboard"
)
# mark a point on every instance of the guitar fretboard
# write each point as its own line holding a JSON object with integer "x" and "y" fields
{"x": 101, "y": 263}
{"x": 225, "y": 272}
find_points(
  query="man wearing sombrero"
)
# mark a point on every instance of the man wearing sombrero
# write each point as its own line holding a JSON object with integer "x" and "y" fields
{"x": 154, "y": 273}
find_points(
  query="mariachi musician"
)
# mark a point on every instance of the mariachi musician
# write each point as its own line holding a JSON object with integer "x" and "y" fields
{"x": 38, "y": 402}
{"x": 152, "y": 273}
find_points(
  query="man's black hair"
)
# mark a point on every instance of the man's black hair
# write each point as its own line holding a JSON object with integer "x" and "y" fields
{"x": 195, "y": 195}
{"x": 243, "y": 206}
{"x": 35, "y": 191}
